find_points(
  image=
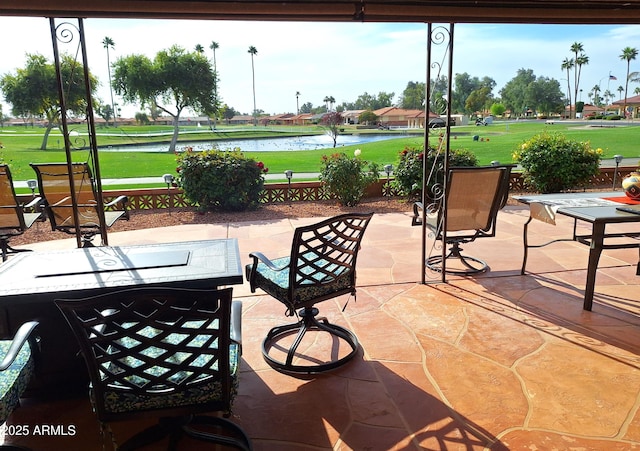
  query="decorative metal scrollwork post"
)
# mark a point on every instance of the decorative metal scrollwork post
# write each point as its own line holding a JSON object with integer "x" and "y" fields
{"x": 67, "y": 33}
{"x": 436, "y": 139}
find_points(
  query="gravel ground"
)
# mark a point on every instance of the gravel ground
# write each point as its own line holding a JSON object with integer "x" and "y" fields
{"x": 146, "y": 219}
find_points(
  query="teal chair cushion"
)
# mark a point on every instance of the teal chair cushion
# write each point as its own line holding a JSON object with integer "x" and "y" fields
{"x": 14, "y": 380}
{"x": 276, "y": 283}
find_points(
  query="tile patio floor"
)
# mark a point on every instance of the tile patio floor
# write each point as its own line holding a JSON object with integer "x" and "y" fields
{"x": 496, "y": 361}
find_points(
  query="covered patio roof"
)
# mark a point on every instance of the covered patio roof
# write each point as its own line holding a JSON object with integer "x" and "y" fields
{"x": 459, "y": 11}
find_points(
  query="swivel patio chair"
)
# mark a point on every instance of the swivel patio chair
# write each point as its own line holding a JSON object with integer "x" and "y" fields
{"x": 15, "y": 218}
{"x": 55, "y": 188}
{"x": 16, "y": 370}
{"x": 474, "y": 195}
{"x": 164, "y": 353}
{"x": 321, "y": 266}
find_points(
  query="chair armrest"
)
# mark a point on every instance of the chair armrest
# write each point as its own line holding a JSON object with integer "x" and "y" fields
{"x": 236, "y": 323}
{"x": 122, "y": 202}
{"x": 36, "y": 202}
{"x": 20, "y": 338}
{"x": 260, "y": 257}
{"x": 417, "y": 216}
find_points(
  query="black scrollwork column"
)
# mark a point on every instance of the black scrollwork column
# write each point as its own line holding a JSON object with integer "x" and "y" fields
{"x": 436, "y": 137}
{"x": 71, "y": 35}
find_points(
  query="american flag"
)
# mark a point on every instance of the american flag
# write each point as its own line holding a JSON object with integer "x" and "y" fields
{"x": 612, "y": 77}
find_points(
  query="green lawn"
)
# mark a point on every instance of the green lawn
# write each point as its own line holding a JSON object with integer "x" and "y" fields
{"x": 496, "y": 142}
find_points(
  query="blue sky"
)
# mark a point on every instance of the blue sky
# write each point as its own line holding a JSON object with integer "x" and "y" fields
{"x": 342, "y": 60}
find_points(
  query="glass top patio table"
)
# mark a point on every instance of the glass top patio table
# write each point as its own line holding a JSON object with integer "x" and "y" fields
{"x": 596, "y": 208}
{"x": 31, "y": 281}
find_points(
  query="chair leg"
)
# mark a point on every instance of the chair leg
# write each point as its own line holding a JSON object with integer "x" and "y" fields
{"x": 157, "y": 432}
{"x": 471, "y": 265}
{"x": 6, "y": 250}
{"x": 308, "y": 321}
{"x": 175, "y": 427}
{"x": 238, "y": 438}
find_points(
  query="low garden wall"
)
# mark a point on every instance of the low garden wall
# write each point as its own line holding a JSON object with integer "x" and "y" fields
{"x": 160, "y": 198}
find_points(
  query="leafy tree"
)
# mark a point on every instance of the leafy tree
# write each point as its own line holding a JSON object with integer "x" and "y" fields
{"x": 306, "y": 107}
{"x": 367, "y": 101}
{"x": 498, "y": 109}
{"x": 514, "y": 93}
{"x": 228, "y": 112}
{"x": 175, "y": 76}
{"x": 33, "y": 90}
{"x": 412, "y": 97}
{"x": 367, "y": 117}
{"x": 253, "y": 52}
{"x": 142, "y": 118}
{"x": 545, "y": 95}
{"x": 108, "y": 43}
{"x": 628, "y": 54}
{"x": 464, "y": 85}
{"x": 332, "y": 122}
{"x": 479, "y": 99}
{"x": 105, "y": 112}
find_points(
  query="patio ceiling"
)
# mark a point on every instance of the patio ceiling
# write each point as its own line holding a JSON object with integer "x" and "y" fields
{"x": 460, "y": 11}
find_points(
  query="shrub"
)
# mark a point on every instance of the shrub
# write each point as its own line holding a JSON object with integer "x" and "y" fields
{"x": 553, "y": 163}
{"x": 408, "y": 174}
{"x": 347, "y": 178}
{"x": 222, "y": 180}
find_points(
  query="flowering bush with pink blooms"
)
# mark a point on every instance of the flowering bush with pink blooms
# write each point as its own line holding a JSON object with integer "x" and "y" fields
{"x": 220, "y": 180}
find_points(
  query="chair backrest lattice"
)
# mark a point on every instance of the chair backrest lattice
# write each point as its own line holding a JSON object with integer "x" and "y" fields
{"x": 10, "y": 209}
{"x": 55, "y": 188}
{"x": 153, "y": 342}
{"x": 323, "y": 252}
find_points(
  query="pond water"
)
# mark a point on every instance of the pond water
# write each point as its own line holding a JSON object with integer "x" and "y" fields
{"x": 261, "y": 145}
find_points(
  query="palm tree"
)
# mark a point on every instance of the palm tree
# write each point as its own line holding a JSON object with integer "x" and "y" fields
{"x": 332, "y": 102}
{"x": 198, "y": 48}
{"x": 215, "y": 46}
{"x": 628, "y": 54}
{"x": 620, "y": 91}
{"x": 579, "y": 60}
{"x": 637, "y": 90}
{"x": 297, "y": 104}
{"x": 326, "y": 102}
{"x": 253, "y": 51}
{"x": 596, "y": 97}
{"x": 108, "y": 42}
{"x": 567, "y": 65}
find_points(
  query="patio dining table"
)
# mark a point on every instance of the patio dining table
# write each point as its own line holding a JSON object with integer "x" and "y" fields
{"x": 30, "y": 283}
{"x": 598, "y": 209}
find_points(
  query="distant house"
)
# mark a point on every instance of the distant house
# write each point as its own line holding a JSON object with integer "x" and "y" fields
{"x": 399, "y": 117}
{"x": 240, "y": 119}
{"x": 351, "y": 116}
{"x": 633, "y": 107}
{"x": 279, "y": 119}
